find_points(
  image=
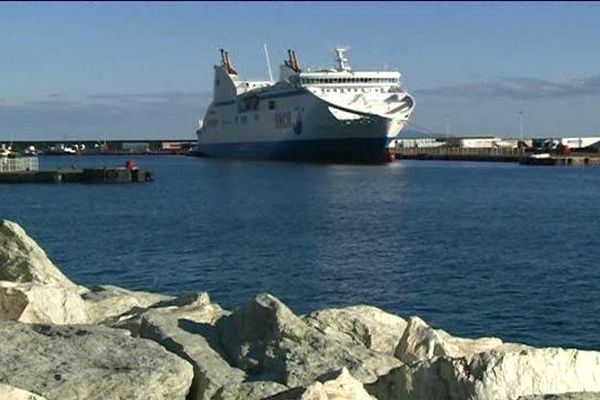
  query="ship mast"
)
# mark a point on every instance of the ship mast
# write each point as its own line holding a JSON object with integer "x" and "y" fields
{"x": 268, "y": 63}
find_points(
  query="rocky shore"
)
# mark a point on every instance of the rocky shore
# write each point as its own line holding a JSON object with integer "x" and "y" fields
{"x": 63, "y": 341}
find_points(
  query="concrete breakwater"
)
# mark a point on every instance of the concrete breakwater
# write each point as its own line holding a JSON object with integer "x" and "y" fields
{"x": 102, "y": 147}
{"x": 86, "y": 175}
{"x": 61, "y": 340}
{"x": 497, "y": 155}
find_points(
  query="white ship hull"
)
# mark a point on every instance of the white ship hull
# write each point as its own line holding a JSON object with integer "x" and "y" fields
{"x": 290, "y": 121}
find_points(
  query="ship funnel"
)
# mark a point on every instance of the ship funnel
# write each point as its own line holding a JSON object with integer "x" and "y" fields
{"x": 292, "y": 61}
{"x": 226, "y": 63}
{"x": 223, "y": 62}
{"x": 341, "y": 59}
{"x": 296, "y": 63}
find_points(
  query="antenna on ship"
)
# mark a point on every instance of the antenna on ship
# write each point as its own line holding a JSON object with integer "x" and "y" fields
{"x": 268, "y": 63}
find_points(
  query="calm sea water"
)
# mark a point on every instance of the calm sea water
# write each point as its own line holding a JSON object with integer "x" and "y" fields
{"x": 475, "y": 248}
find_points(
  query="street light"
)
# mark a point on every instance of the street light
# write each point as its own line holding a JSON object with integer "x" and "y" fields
{"x": 520, "y": 112}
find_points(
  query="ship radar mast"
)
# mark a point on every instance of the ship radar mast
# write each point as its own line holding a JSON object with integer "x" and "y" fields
{"x": 341, "y": 60}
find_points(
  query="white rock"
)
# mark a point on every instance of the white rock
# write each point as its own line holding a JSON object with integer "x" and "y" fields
{"x": 493, "y": 375}
{"x": 339, "y": 385}
{"x": 269, "y": 342}
{"x": 22, "y": 260}
{"x": 132, "y": 320}
{"x": 344, "y": 387}
{"x": 316, "y": 391}
{"x": 108, "y": 301}
{"x": 185, "y": 326}
{"x": 250, "y": 390}
{"x": 47, "y": 304}
{"x": 374, "y": 328}
{"x": 89, "y": 362}
{"x": 8, "y": 392}
{"x": 564, "y": 396}
{"x": 421, "y": 342}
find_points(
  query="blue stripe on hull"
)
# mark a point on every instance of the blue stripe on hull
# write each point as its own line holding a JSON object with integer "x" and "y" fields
{"x": 371, "y": 150}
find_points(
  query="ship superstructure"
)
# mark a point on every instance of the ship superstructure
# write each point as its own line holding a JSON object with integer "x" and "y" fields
{"x": 332, "y": 114}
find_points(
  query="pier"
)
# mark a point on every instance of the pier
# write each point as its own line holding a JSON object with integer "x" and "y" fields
{"x": 97, "y": 147}
{"x": 87, "y": 175}
{"x": 26, "y": 170}
{"x": 562, "y": 160}
{"x": 550, "y": 152}
{"x": 459, "y": 154}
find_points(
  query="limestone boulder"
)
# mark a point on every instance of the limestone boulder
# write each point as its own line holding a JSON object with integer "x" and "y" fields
{"x": 89, "y": 362}
{"x": 269, "y": 342}
{"x": 344, "y": 387}
{"x": 564, "y": 396}
{"x": 370, "y": 326}
{"x": 339, "y": 385}
{"x": 185, "y": 326}
{"x": 250, "y": 390}
{"x": 8, "y": 392}
{"x": 23, "y": 260}
{"x": 132, "y": 320}
{"x": 108, "y": 301}
{"x": 421, "y": 342}
{"x": 493, "y": 375}
{"x": 44, "y": 304}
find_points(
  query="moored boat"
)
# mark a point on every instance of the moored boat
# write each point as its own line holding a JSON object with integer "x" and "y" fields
{"x": 335, "y": 114}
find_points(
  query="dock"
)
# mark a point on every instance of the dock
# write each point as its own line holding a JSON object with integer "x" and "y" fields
{"x": 459, "y": 157}
{"x": 87, "y": 175}
{"x": 561, "y": 160}
{"x": 25, "y": 170}
{"x": 458, "y": 154}
{"x": 498, "y": 155}
{"x": 103, "y": 148}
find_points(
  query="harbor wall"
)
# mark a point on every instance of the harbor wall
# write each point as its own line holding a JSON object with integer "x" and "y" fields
{"x": 94, "y": 147}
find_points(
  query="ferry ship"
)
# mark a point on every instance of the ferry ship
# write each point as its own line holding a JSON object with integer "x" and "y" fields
{"x": 330, "y": 115}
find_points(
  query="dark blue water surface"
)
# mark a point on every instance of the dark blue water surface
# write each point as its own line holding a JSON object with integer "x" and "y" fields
{"x": 475, "y": 248}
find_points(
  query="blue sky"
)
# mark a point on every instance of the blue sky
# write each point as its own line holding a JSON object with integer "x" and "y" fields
{"x": 145, "y": 69}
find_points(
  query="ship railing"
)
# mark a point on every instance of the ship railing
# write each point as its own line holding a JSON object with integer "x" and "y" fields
{"x": 19, "y": 164}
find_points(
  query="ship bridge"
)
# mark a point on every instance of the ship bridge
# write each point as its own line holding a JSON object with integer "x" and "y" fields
{"x": 353, "y": 94}
{"x": 343, "y": 76}
{"x": 348, "y": 81}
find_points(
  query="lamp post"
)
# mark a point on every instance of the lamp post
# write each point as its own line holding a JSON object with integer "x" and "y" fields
{"x": 520, "y": 112}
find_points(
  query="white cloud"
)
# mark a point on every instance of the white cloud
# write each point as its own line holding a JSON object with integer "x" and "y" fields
{"x": 520, "y": 88}
{"x": 137, "y": 115}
